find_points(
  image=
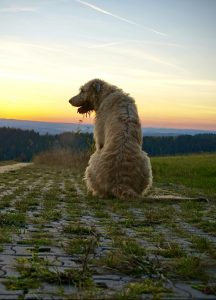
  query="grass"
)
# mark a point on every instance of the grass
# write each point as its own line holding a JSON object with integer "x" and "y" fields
{"x": 63, "y": 158}
{"x": 5, "y": 201}
{"x": 190, "y": 267}
{"x": 132, "y": 265}
{"x": 78, "y": 228}
{"x": 51, "y": 215}
{"x": 208, "y": 226}
{"x": 192, "y": 171}
{"x": 209, "y": 289}
{"x": 129, "y": 247}
{"x": 25, "y": 204}
{"x": 4, "y": 235}
{"x": 148, "y": 286}
{"x": 81, "y": 245}
{"x": 128, "y": 257}
{"x": 171, "y": 250}
{"x": 36, "y": 242}
{"x": 26, "y": 283}
{"x": 35, "y": 269}
{"x": 8, "y": 162}
{"x": 46, "y": 216}
{"x": 12, "y": 219}
{"x": 204, "y": 245}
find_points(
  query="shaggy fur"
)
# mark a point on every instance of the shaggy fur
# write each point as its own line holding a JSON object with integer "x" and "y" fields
{"x": 118, "y": 167}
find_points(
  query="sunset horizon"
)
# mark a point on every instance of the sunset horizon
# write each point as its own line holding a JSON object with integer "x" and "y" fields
{"x": 162, "y": 55}
{"x": 91, "y": 121}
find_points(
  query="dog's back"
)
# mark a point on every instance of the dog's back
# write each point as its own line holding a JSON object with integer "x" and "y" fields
{"x": 124, "y": 170}
{"x": 117, "y": 119}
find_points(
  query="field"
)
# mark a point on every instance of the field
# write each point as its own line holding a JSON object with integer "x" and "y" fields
{"x": 196, "y": 172}
{"x": 57, "y": 242}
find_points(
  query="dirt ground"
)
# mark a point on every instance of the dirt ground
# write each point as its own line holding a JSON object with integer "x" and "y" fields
{"x": 13, "y": 167}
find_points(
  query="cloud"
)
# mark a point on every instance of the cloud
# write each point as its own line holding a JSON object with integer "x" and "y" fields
{"x": 14, "y": 47}
{"x": 132, "y": 53}
{"x": 191, "y": 82}
{"x": 157, "y": 43}
{"x": 119, "y": 17}
{"x": 104, "y": 45}
{"x": 13, "y": 75}
{"x": 110, "y": 44}
{"x": 17, "y": 9}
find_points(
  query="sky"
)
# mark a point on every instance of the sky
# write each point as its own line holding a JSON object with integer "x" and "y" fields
{"x": 161, "y": 52}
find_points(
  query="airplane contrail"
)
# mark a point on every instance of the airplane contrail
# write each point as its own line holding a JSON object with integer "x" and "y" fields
{"x": 119, "y": 17}
{"x": 105, "y": 12}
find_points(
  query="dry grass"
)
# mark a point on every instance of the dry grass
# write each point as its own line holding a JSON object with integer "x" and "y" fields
{"x": 63, "y": 158}
{"x": 7, "y": 162}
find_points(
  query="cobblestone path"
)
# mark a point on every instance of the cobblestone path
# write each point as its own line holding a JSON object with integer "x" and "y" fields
{"x": 57, "y": 242}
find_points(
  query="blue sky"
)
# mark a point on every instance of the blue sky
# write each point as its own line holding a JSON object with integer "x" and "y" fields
{"x": 160, "y": 51}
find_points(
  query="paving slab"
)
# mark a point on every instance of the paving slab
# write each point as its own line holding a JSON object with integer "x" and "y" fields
{"x": 106, "y": 261}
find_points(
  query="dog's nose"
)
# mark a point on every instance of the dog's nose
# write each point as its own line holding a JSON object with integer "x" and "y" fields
{"x": 76, "y": 101}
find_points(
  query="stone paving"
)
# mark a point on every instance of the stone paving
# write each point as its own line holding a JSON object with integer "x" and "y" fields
{"x": 57, "y": 242}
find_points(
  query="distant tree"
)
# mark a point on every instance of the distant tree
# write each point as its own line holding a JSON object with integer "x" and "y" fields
{"x": 22, "y": 145}
{"x": 182, "y": 144}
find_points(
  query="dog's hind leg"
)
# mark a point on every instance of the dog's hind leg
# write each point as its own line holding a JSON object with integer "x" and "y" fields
{"x": 89, "y": 180}
{"x": 90, "y": 173}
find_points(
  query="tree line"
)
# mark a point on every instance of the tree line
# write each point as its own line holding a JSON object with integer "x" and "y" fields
{"x": 22, "y": 145}
{"x": 181, "y": 144}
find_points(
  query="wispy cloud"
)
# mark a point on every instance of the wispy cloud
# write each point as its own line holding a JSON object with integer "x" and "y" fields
{"x": 157, "y": 43}
{"x": 110, "y": 44}
{"x": 132, "y": 53}
{"x": 191, "y": 82}
{"x": 14, "y": 46}
{"x": 119, "y": 17}
{"x": 104, "y": 45}
{"x": 22, "y": 76}
{"x": 17, "y": 9}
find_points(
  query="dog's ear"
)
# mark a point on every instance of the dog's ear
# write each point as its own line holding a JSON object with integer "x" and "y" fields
{"x": 97, "y": 87}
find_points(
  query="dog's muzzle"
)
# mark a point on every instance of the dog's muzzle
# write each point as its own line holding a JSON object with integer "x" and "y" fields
{"x": 84, "y": 107}
{"x": 76, "y": 101}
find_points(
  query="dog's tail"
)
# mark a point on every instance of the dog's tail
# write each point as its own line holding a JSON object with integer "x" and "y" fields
{"x": 124, "y": 192}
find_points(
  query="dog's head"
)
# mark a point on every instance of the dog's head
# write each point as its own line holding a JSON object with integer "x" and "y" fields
{"x": 89, "y": 96}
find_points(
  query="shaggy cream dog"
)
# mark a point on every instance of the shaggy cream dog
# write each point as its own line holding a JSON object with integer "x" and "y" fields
{"x": 118, "y": 167}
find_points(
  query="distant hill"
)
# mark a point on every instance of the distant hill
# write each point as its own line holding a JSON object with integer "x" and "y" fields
{"x": 46, "y": 127}
{"x": 57, "y": 128}
{"x": 149, "y": 131}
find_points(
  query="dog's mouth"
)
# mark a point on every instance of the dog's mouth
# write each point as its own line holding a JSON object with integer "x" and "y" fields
{"x": 85, "y": 108}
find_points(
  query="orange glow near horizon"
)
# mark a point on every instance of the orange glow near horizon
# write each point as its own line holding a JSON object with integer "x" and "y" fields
{"x": 49, "y": 103}
{"x": 150, "y": 116}
{"x": 147, "y": 120}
